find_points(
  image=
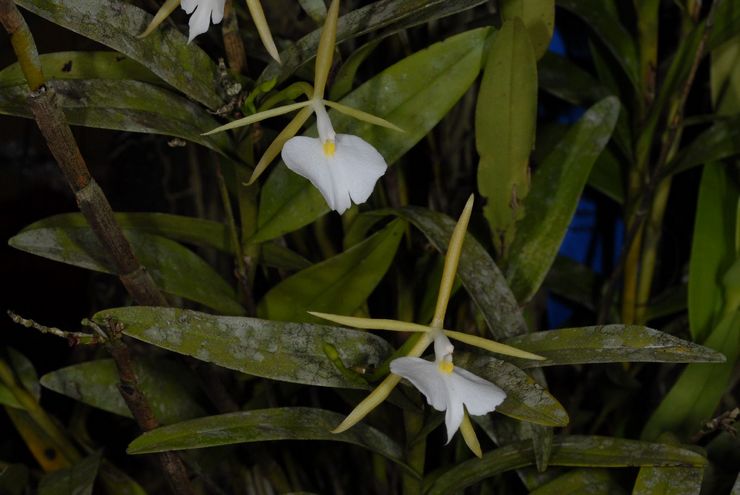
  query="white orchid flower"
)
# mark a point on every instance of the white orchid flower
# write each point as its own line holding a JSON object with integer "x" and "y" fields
{"x": 343, "y": 167}
{"x": 447, "y": 387}
{"x": 202, "y": 13}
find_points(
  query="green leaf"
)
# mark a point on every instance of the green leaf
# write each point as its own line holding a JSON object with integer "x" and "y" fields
{"x": 290, "y": 352}
{"x": 340, "y": 284}
{"x": 712, "y": 248}
{"x": 82, "y": 65}
{"x": 562, "y": 78}
{"x": 175, "y": 269}
{"x": 573, "y": 281}
{"x": 606, "y": 25}
{"x": 13, "y": 479}
{"x": 699, "y": 389}
{"x": 126, "y": 106}
{"x": 345, "y": 78}
{"x": 725, "y": 77}
{"x": 478, "y": 272}
{"x": 441, "y": 75}
{"x": 169, "y": 387}
{"x": 582, "y": 482}
{"x": 505, "y": 119}
{"x": 574, "y": 450}
{"x": 609, "y": 344}
{"x": 553, "y": 197}
{"x": 26, "y": 373}
{"x": 116, "y": 24}
{"x": 668, "y": 480}
{"x": 606, "y": 176}
{"x": 389, "y": 15}
{"x": 525, "y": 399}
{"x": 7, "y": 398}
{"x": 262, "y": 425}
{"x": 720, "y": 141}
{"x": 76, "y": 480}
{"x": 539, "y": 18}
{"x": 180, "y": 228}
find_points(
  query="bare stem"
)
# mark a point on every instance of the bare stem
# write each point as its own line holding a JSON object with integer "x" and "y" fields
{"x": 74, "y": 338}
{"x": 236, "y": 55}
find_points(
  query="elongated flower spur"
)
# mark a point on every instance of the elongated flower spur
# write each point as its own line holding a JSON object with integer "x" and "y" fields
{"x": 448, "y": 387}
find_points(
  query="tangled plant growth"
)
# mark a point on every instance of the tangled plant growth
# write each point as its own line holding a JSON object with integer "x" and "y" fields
{"x": 274, "y": 334}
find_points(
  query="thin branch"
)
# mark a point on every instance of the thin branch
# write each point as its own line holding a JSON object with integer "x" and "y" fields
{"x": 236, "y": 55}
{"x": 74, "y": 338}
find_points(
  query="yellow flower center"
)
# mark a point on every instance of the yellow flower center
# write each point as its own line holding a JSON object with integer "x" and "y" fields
{"x": 446, "y": 367}
{"x": 329, "y": 148}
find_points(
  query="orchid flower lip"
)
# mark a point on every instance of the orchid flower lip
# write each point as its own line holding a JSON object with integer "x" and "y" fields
{"x": 447, "y": 387}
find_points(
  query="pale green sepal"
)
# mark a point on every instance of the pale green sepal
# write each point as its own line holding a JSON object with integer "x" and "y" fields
{"x": 163, "y": 13}
{"x": 251, "y": 119}
{"x": 273, "y": 150}
{"x": 363, "y": 116}
{"x": 325, "y": 52}
{"x": 258, "y": 16}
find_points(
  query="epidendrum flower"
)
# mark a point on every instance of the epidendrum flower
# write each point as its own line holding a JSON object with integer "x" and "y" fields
{"x": 204, "y": 12}
{"x": 447, "y": 387}
{"x": 343, "y": 167}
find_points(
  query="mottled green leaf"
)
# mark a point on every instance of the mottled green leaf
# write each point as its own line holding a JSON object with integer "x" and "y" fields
{"x": 345, "y": 78}
{"x": 116, "y": 24}
{"x": 82, "y": 65}
{"x": 582, "y": 451}
{"x": 190, "y": 230}
{"x": 170, "y": 387}
{"x": 477, "y": 271}
{"x": 291, "y": 352}
{"x": 262, "y": 425}
{"x": 712, "y": 248}
{"x": 607, "y": 26}
{"x": 525, "y": 399}
{"x": 553, "y": 197}
{"x": 610, "y": 344}
{"x": 668, "y": 481}
{"x": 389, "y": 15}
{"x": 581, "y": 482}
{"x": 505, "y": 118}
{"x": 340, "y": 284}
{"x": 174, "y": 268}
{"x": 696, "y": 394}
{"x": 76, "y": 480}
{"x": 124, "y": 105}
{"x": 441, "y": 75}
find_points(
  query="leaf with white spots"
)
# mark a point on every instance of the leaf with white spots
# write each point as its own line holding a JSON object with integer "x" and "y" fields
{"x": 290, "y": 352}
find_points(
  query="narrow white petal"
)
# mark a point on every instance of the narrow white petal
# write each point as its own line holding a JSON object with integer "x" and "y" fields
{"x": 360, "y": 166}
{"x": 188, "y": 5}
{"x": 217, "y": 10}
{"x": 454, "y": 415}
{"x": 199, "y": 22}
{"x": 305, "y": 156}
{"x": 479, "y": 396}
{"x": 425, "y": 376}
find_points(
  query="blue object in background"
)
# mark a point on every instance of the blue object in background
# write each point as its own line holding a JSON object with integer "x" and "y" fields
{"x": 580, "y": 240}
